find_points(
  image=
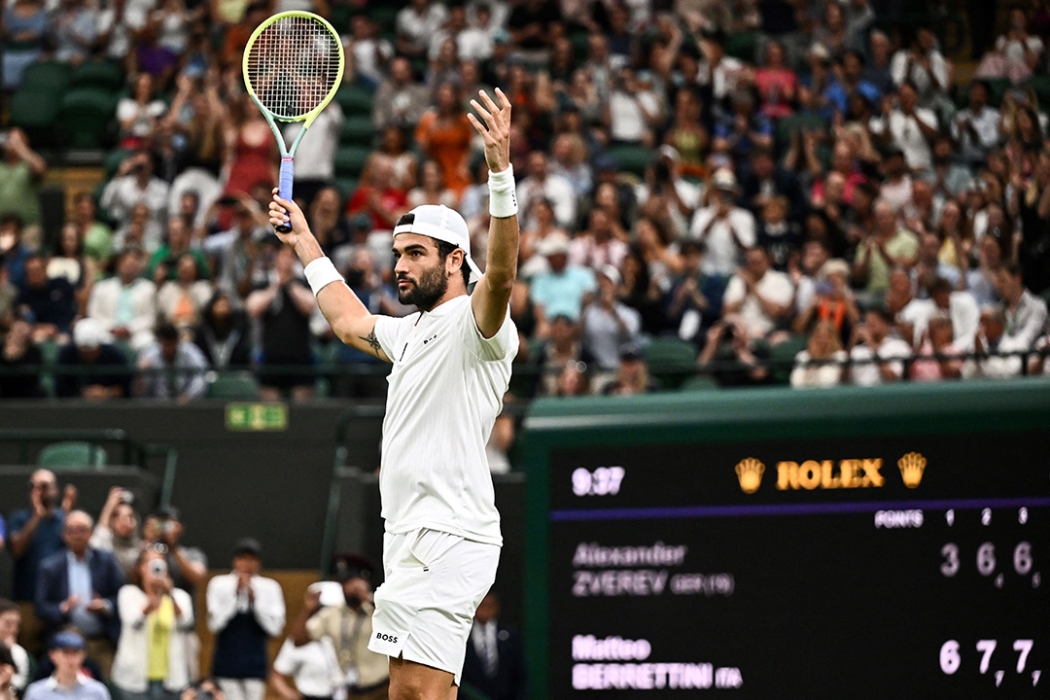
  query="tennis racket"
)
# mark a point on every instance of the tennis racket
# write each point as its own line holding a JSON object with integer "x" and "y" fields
{"x": 292, "y": 66}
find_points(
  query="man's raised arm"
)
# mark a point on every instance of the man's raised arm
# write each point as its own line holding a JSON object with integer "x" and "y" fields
{"x": 492, "y": 293}
{"x": 349, "y": 318}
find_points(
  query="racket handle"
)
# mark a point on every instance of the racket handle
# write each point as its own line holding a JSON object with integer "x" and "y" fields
{"x": 284, "y": 185}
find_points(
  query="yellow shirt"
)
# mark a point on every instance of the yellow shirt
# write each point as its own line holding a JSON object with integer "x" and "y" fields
{"x": 159, "y": 625}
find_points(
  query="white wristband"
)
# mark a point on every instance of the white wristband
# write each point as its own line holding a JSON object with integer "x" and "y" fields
{"x": 320, "y": 273}
{"x": 502, "y": 200}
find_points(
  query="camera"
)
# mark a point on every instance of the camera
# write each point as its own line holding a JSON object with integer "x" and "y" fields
{"x": 158, "y": 567}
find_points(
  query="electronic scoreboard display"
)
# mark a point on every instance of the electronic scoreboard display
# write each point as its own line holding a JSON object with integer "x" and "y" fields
{"x": 892, "y": 566}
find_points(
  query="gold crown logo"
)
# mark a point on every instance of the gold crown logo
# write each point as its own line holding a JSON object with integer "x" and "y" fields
{"x": 912, "y": 466}
{"x": 749, "y": 473}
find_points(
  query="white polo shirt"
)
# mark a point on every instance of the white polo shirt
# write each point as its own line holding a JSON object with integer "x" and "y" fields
{"x": 446, "y": 389}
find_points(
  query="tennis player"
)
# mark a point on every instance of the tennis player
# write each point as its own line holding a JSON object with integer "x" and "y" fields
{"x": 452, "y": 363}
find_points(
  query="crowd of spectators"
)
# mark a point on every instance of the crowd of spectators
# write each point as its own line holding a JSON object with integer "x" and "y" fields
{"x": 748, "y": 177}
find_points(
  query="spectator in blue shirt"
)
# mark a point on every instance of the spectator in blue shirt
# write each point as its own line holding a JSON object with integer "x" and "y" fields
{"x": 68, "y": 652}
{"x": 743, "y": 129}
{"x": 562, "y": 290}
{"x": 36, "y": 533}
{"x": 49, "y": 303}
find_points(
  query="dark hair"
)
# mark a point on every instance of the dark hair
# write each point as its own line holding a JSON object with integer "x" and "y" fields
{"x": 882, "y": 312}
{"x": 7, "y": 606}
{"x": 444, "y": 249}
{"x": 1012, "y": 269}
{"x": 12, "y": 220}
{"x": 940, "y": 285}
{"x": 167, "y": 331}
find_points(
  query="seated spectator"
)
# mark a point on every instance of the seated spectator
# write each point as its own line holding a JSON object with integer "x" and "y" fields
{"x": 306, "y": 670}
{"x": 897, "y": 187}
{"x": 141, "y": 230}
{"x": 632, "y": 375}
{"x": 180, "y": 301}
{"x": 90, "y": 367}
{"x": 760, "y": 296}
{"x": 21, "y": 170}
{"x": 244, "y": 611}
{"x": 49, "y": 304}
{"x": 694, "y": 301}
{"x": 982, "y": 282}
{"x": 155, "y": 656}
{"x": 187, "y": 566}
{"x": 765, "y": 180}
{"x": 742, "y": 130}
{"x": 238, "y": 250}
{"x": 1017, "y": 53}
{"x": 125, "y": 305}
{"x": 888, "y": 245}
{"x": 139, "y": 113}
{"x": 67, "y": 655}
{"x": 223, "y": 334}
{"x": 416, "y": 24}
{"x": 569, "y": 155}
{"x": 938, "y": 357}
{"x": 573, "y": 380}
{"x": 251, "y": 153}
{"x": 164, "y": 264}
{"x": 597, "y": 246}
{"x": 976, "y": 127}
{"x": 432, "y": 190}
{"x": 830, "y": 300}
{"x": 36, "y": 532}
{"x": 540, "y": 183}
{"x": 13, "y": 251}
{"x": 822, "y": 362}
{"x": 116, "y": 531}
{"x": 998, "y": 355}
{"x": 380, "y": 197}
{"x": 726, "y": 229}
{"x": 69, "y": 262}
{"x": 562, "y": 290}
{"x": 718, "y": 71}
{"x": 929, "y": 266}
{"x": 776, "y": 83}
{"x": 876, "y": 352}
{"x": 20, "y": 364}
{"x": 79, "y": 586}
{"x": 606, "y": 323}
{"x": 923, "y": 66}
{"x": 530, "y": 262}
{"x": 10, "y": 625}
{"x": 400, "y": 100}
{"x": 284, "y": 307}
{"x": 635, "y": 111}
{"x": 1026, "y": 314}
{"x": 777, "y": 235}
{"x": 494, "y": 662}
{"x": 171, "y": 368}
{"x": 907, "y": 126}
{"x": 7, "y": 674}
{"x": 393, "y": 152}
{"x": 563, "y": 347}
{"x": 135, "y": 184}
{"x": 25, "y": 35}
{"x": 659, "y": 251}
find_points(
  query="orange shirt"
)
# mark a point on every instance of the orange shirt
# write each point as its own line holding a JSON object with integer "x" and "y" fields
{"x": 449, "y": 145}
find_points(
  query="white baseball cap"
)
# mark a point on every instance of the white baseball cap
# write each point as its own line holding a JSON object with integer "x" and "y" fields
{"x": 89, "y": 333}
{"x": 442, "y": 223}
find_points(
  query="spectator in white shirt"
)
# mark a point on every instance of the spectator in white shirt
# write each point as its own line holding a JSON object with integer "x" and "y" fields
{"x": 726, "y": 229}
{"x": 135, "y": 184}
{"x": 607, "y": 323}
{"x": 821, "y": 363}
{"x": 634, "y": 110}
{"x": 923, "y": 66}
{"x": 998, "y": 355}
{"x": 475, "y": 42}
{"x": 976, "y": 128}
{"x": 908, "y": 126}
{"x": 876, "y": 357}
{"x": 126, "y": 304}
{"x": 244, "y": 611}
{"x": 371, "y": 53}
{"x": 415, "y": 25}
{"x": 1026, "y": 314}
{"x": 542, "y": 184}
{"x": 760, "y": 296}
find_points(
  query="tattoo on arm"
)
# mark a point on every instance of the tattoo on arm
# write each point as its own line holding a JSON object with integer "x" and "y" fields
{"x": 372, "y": 341}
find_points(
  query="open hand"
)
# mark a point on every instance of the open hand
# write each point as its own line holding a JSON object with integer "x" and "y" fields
{"x": 496, "y": 129}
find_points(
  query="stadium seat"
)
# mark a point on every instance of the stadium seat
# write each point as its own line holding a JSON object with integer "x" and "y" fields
{"x": 33, "y": 110}
{"x": 234, "y": 385}
{"x": 113, "y": 160}
{"x": 999, "y": 87}
{"x": 743, "y": 46}
{"x": 354, "y": 101}
{"x": 85, "y": 115}
{"x": 72, "y": 454}
{"x": 347, "y": 186}
{"x": 45, "y": 76}
{"x": 357, "y": 131}
{"x": 350, "y": 160}
{"x": 633, "y": 159}
{"x": 699, "y": 382}
{"x": 670, "y": 360}
{"x": 98, "y": 74}
{"x": 782, "y": 358}
{"x": 1040, "y": 84}
{"x": 787, "y": 125}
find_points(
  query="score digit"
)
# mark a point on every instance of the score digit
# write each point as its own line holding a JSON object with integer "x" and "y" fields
{"x": 603, "y": 481}
{"x": 950, "y": 660}
{"x": 986, "y": 559}
{"x": 1023, "y": 558}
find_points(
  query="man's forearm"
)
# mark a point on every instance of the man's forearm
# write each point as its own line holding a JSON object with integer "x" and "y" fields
{"x": 20, "y": 540}
{"x": 502, "y": 259}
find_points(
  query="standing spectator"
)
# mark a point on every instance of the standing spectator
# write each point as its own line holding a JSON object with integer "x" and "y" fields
{"x": 135, "y": 184}
{"x": 776, "y": 83}
{"x": 726, "y": 229}
{"x": 346, "y": 622}
{"x": 138, "y": 114}
{"x": 908, "y": 127}
{"x": 695, "y": 299}
{"x": 494, "y": 663}
{"x": 10, "y": 625}
{"x": 116, "y": 531}
{"x": 90, "y": 367}
{"x": 432, "y": 190}
{"x": 598, "y": 246}
{"x": 922, "y": 65}
{"x": 315, "y": 158}
{"x": 759, "y": 295}
{"x": 181, "y": 300}
{"x": 887, "y": 246}
{"x": 634, "y": 110}
{"x": 251, "y": 153}
{"x": 976, "y": 128}
{"x": 172, "y": 368}
{"x": 283, "y": 308}
{"x": 24, "y": 33}
{"x": 154, "y": 657}
{"x": 21, "y": 170}
{"x": 20, "y": 363}
{"x": 607, "y": 323}
{"x": 125, "y": 305}
{"x": 68, "y": 682}
{"x": 1026, "y": 314}
{"x": 876, "y": 356}
{"x": 50, "y": 304}
{"x": 415, "y": 25}
{"x": 562, "y": 290}
{"x": 36, "y": 532}
{"x": 998, "y": 356}
{"x": 244, "y": 611}
{"x": 238, "y": 251}
{"x": 79, "y": 586}
{"x": 187, "y": 566}
{"x": 542, "y": 184}
{"x": 399, "y": 101}
{"x": 444, "y": 135}
{"x": 939, "y": 358}
{"x": 223, "y": 334}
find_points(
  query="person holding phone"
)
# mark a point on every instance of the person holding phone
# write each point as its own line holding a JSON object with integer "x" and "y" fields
{"x": 155, "y": 655}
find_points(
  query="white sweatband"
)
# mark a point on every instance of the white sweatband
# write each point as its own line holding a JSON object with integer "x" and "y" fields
{"x": 503, "y": 202}
{"x": 320, "y": 273}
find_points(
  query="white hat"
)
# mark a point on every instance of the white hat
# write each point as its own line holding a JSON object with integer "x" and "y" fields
{"x": 442, "y": 223}
{"x": 331, "y": 593}
{"x": 611, "y": 273}
{"x": 554, "y": 244}
{"x": 89, "y": 333}
{"x": 724, "y": 179}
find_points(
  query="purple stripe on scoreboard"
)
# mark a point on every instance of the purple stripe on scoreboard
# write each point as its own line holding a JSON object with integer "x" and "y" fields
{"x": 743, "y": 511}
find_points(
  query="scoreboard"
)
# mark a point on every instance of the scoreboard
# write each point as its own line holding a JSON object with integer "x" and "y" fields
{"x": 777, "y": 544}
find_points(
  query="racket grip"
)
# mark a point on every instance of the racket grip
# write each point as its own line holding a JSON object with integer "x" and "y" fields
{"x": 284, "y": 185}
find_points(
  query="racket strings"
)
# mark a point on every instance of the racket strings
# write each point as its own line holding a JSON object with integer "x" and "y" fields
{"x": 293, "y": 65}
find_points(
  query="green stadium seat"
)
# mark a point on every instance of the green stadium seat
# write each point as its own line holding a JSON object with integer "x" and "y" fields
{"x": 670, "y": 360}
{"x": 787, "y": 125}
{"x": 700, "y": 382}
{"x": 1040, "y": 84}
{"x": 743, "y": 46}
{"x": 98, "y": 74}
{"x": 85, "y": 115}
{"x": 113, "y": 160}
{"x": 354, "y": 101}
{"x": 385, "y": 14}
{"x": 45, "y": 76}
{"x": 357, "y": 131}
{"x": 73, "y": 455}
{"x": 782, "y": 358}
{"x": 234, "y": 386}
{"x": 632, "y": 159}
{"x": 999, "y": 87}
{"x": 347, "y": 186}
{"x": 34, "y": 110}
{"x": 350, "y": 160}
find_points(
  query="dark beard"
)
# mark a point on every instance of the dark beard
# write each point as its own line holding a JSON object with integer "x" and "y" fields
{"x": 353, "y": 601}
{"x": 432, "y": 285}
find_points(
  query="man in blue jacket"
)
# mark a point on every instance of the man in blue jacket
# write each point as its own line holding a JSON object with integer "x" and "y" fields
{"x": 78, "y": 586}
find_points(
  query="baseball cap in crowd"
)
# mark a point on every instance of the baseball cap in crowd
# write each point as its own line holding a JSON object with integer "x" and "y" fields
{"x": 610, "y": 273}
{"x": 247, "y": 545}
{"x": 89, "y": 333}
{"x": 554, "y": 244}
{"x": 835, "y": 266}
{"x": 442, "y": 223}
{"x": 724, "y": 179}
{"x": 348, "y": 566}
{"x": 670, "y": 152}
{"x": 68, "y": 640}
{"x": 632, "y": 351}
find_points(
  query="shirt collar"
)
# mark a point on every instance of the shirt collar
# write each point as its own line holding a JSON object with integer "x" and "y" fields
{"x": 52, "y": 681}
{"x": 445, "y": 308}
{"x": 71, "y": 558}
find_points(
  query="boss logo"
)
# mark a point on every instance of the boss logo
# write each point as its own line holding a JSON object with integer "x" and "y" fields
{"x": 386, "y": 637}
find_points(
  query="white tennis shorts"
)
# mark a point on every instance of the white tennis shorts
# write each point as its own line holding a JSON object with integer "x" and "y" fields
{"x": 425, "y": 607}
